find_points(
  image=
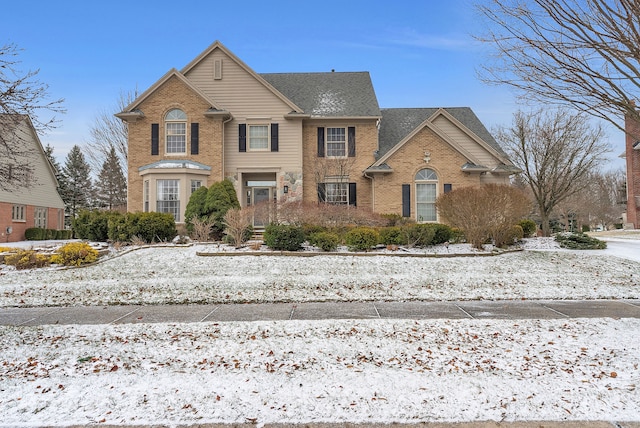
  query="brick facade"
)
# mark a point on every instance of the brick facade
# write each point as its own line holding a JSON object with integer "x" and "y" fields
{"x": 172, "y": 94}
{"x": 632, "y": 154}
{"x": 314, "y": 167}
{"x": 408, "y": 160}
{"x": 55, "y": 221}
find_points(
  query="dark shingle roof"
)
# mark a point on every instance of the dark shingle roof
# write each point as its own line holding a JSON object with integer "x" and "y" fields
{"x": 348, "y": 94}
{"x": 397, "y": 123}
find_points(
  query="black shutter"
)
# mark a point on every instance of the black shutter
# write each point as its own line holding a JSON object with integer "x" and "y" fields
{"x": 242, "y": 137}
{"x": 351, "y": 135}
{"x": 322, "y": 192}
{"x": 320, "y": 142}
{"x": 352, "y": 194}
{"x": 448, "y": 188}
{"x": 155, "y": 139}
{"x": 274, "y": 137}
{"x": 195, "y": 138}
{"x": 406, "y": 200}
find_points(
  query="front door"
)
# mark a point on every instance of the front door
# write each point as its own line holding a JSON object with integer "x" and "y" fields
{"x": 260, "y": 200}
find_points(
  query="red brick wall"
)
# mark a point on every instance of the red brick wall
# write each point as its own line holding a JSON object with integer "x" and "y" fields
{"x": 632, "y": 128}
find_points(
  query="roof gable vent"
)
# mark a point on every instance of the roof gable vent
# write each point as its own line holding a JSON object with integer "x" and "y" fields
{"x": 217, "y": 69}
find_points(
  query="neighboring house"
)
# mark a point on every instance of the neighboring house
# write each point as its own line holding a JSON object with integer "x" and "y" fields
{"x": 28, "y": 199}
{"x": 298, "y": 137}
{"x": 632, "y": 156}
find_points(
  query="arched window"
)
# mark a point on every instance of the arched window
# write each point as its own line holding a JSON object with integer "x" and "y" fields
{"x": 426, "y": 193}
{"x": 176, "y": 131}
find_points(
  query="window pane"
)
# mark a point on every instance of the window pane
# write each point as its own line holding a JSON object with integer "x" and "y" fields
{"x": 176, "y": 137}
{"x": 426, "y": 174}
{"x": 258, "y": 137}
{"x": 336, "y": 142}
{"x": 426, "y": 202}
{"x": 337, "y": 193}
{"x": 176, "y": 114}
{"x": 168, "y": 197}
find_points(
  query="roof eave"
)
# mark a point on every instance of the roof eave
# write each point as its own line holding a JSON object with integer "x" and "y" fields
{"x": 130, "y": 116}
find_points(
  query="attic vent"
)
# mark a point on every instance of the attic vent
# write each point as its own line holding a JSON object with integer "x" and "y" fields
{"x": 217, "y": 69}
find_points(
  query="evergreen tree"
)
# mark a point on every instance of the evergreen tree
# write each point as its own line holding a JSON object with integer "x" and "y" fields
{"x": 76, "y": 188}
{"x": 111, "y": 187}
{"x": 48, "y": 151}
{"x": 221, "y": 197}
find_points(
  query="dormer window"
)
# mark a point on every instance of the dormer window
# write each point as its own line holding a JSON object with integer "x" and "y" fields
{"x": 176, "y": 131}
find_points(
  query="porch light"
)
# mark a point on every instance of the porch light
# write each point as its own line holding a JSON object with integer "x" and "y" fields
{"x": 286, "y": 189}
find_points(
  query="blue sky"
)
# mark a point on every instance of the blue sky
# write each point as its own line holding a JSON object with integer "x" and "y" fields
{"x": 420, "y": 53}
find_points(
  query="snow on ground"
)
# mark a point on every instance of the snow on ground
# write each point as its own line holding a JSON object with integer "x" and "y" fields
{"x": 177, "y": 275}
{"x": 321, "y": 371}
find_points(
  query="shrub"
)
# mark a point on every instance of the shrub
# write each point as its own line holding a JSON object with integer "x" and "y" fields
{"x": 392, "y": 235}
{"x": 579, "y": 241}
{"x": 484, "y": 212}
{"x": 442, "y": 233}
{"x": 93, "y": 225}
{"x": 75, "y": 254}
{"x": 418, "y": 235}
{"x": 326, "y": 241}
{"x": 238, "y": 227}
{"x": 195, "y": 209}
{"x": 149, "y": 227}
{"x": 283, "y": 237}
{"x": 529, "y": 227}
{"x": 35, "y": 234}
{"x": 362, "y": 238}
{"x": 393, "y": 219}
{"x": 221, "y": 197}
{"x": 26, "y": 259}
{"x": 201, "y": 229}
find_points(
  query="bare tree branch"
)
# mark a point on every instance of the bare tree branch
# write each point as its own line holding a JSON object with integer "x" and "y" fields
{"x": 21, "y": 96}
{"x": 108, "y": 131}
{"x": 579, "y": 53}
{"x": 556, "y": 151}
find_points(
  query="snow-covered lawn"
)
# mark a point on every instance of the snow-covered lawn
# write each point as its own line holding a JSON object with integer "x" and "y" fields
{"x": 178, "y": 275}
{"x": 321, "y": 371}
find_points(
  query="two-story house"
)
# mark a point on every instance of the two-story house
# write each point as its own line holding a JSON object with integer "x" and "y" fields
{"x": 311, "y": 137}
{"x": 29, "y": 196}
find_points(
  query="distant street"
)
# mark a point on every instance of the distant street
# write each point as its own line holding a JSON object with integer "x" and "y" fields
{"x": 627, "y": 248}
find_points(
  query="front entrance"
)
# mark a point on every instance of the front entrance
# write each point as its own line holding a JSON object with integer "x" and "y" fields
{"x": 260, "y": 198}
{"x": 260, "y": 190}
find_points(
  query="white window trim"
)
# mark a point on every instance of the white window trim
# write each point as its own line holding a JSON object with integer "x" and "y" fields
{"x": 326, "y": 142}
{"x": 19, "y": 209}
{"x": 260, "y": 149}
{"x": 167, "y": 122}
{"x": 431, "y": 181}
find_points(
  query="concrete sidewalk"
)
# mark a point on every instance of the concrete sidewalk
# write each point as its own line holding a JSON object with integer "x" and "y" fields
{"x": 474, "y": 309}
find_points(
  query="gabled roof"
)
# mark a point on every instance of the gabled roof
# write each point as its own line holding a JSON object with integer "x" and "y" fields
{"x": 219, "y": 46}
{"x": 332, "y": 94}
{"x": 399, "y": 125}
{"x": 133, "y": 107}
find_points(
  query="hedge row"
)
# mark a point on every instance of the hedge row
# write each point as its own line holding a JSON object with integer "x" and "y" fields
{"x": 117, "y": 227}
{"x": 290, "y": 238}
{"x": 40, "y": 234}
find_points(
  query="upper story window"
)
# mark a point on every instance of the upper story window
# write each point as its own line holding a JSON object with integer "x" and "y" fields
{"x": 176, "y": 131}
{"x": 258, "y": 137}
{"x": 336, "y": 142}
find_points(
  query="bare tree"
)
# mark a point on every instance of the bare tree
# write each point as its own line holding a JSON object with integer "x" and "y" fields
{"x": 21, "y": 94}
{"x": 108, "y": 131}
{"x": 580, "y": 53}
{"x": 556, "y": 150}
